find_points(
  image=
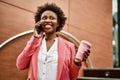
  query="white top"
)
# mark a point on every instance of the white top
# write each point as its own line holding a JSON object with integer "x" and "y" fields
{"x": 48, "y": 61}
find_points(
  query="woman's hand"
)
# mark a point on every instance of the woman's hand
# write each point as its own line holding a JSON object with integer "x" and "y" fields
{"x": 85, "y": 57}
{"x": 86, "y": 54}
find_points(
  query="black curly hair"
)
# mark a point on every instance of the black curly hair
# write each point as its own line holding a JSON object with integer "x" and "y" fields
{"x": 53, "y": 7}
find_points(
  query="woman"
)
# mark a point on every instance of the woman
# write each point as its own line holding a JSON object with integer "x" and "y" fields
{"x": 47, "y": 55}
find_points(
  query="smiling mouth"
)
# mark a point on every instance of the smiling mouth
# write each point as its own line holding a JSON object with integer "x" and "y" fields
{"x": 48, "y": 26}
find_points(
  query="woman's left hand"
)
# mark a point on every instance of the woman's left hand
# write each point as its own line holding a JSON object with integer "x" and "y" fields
{"x": 86, "y": 54}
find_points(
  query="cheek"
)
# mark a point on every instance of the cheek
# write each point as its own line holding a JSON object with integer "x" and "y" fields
{"x": 56, "y": 23}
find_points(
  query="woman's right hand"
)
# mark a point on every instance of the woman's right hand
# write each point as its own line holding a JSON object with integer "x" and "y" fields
{"x": 37, "y": 33}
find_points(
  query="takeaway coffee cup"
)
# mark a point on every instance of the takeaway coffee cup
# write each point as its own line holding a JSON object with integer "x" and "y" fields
{"x": 84, "y": 46}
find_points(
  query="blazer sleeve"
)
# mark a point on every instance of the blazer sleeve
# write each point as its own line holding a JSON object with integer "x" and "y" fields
{"x": 74, "y": 69}
{"x": 23, "y": 59}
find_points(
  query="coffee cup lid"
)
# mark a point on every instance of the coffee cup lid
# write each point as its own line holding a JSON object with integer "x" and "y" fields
{"x": 86, "y": 42}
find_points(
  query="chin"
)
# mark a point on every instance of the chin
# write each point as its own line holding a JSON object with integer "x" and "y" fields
{"x": 49, "y": 32}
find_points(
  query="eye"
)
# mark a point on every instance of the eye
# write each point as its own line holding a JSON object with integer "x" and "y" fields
{"x": 44, "y": 17}
{"x": 52, "y": 18}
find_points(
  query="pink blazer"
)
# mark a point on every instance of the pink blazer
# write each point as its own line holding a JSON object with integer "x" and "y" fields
{"x": 67, "y": 70}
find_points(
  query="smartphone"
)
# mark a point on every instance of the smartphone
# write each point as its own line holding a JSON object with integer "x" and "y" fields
{"x": 38, "y": 28}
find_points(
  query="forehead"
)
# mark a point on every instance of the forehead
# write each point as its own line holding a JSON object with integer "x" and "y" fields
{"x": 49, "y": 13}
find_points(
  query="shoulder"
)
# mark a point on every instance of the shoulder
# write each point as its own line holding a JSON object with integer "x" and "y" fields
{"x": 66, "y": 42}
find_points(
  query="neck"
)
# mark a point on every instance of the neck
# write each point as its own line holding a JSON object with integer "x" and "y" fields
{"x": 50, "y": 37}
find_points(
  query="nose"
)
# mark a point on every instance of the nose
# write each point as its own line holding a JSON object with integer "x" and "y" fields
{"x": 48, "y": 20}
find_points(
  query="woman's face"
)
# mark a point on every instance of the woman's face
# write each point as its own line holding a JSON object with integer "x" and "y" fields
{"x": 49, "y": 21}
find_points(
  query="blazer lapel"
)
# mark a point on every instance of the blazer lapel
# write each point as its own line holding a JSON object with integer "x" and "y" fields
{"x": 61, "y": 53}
